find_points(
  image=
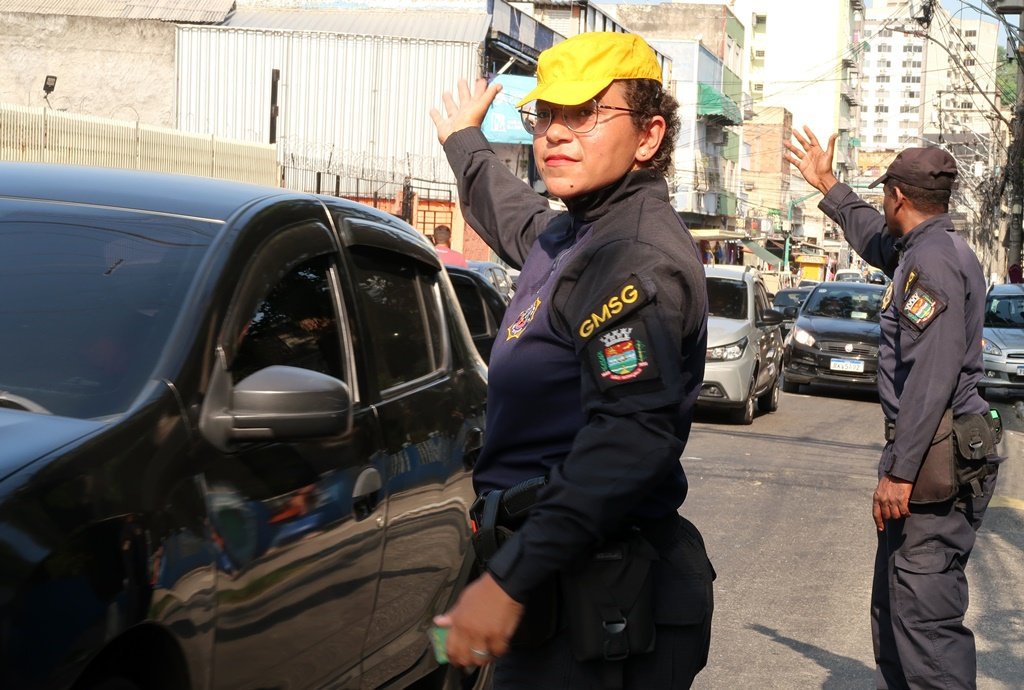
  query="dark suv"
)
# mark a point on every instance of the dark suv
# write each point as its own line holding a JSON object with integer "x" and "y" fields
{"x": 238, "y": 431}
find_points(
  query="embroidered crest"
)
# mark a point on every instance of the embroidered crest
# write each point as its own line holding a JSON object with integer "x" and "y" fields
{"x": 887, "y": 297}
{"x": 523, "y": 320}
{"x": 623, "y": 357}
{"x": 922, "y": 306}
{"x": 622, "y": 301}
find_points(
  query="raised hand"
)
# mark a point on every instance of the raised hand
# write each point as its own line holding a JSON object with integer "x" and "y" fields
{"x": 469, "y": 111}
{"x": 813, "y": 162}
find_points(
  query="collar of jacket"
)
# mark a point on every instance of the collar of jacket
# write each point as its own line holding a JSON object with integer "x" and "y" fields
{"x": 941, "y": 222}
{"x": 589, "y": 207}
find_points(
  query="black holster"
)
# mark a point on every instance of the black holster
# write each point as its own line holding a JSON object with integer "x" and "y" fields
{"x": 497, "y": 515}
{"x": 959, "y": 457}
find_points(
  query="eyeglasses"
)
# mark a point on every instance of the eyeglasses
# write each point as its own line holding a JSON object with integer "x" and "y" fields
{"x": 579, "y": 118}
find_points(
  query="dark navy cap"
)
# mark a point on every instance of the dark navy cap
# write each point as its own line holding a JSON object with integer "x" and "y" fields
{"x": 927, "y": 168}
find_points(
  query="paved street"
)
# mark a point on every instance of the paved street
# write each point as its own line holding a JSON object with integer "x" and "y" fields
{"x": 784, "y": 506}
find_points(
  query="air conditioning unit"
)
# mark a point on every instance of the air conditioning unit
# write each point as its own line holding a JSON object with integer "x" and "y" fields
{"x": 1007, "y": 6}
{"x": 759, "y": 55}
{"x": 749, "y": 186}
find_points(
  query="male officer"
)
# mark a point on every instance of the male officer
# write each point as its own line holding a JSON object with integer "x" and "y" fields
{"x": 929, "y": 361}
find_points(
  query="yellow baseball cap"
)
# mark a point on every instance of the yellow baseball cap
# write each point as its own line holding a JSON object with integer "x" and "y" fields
{"x": 579, "y": 68}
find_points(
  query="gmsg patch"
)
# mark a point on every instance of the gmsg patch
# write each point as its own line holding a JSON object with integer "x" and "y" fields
{"x": 922, "y": 306}
{"x": 624, "y": 300}
{"x": 622, "y": 354}
{"x": 523, "y": 320}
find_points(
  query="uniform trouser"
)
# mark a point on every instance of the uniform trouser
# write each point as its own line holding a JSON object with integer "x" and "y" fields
{"x": 919, "y": 596}
{"x": 683, "y": 604}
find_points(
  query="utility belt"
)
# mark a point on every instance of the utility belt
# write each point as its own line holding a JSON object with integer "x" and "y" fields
{"x": 959, "y": 457}
{"x": 607, "y": 595}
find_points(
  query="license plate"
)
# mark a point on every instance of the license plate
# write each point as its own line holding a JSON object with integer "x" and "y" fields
{"x": 1020, "y": 371}
{"x": 854, "y": 365}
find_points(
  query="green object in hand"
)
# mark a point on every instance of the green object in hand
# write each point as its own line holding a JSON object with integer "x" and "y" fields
{"x": 439, "y": 638}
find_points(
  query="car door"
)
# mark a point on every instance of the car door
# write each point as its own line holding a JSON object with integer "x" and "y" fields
{"x": 298, "y": 525}
{"x": 426, "y": 433}
{"x": 770, "y": 339}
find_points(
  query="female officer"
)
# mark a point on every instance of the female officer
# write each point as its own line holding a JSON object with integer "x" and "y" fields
{"x": 592, "y": 380}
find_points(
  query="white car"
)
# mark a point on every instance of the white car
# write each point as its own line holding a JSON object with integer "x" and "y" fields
{"x": 1003, "y": 341}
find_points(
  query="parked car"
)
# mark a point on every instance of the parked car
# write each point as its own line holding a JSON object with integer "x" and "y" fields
{"x": 835, "y": 337}
{"x": 496, "y": 274}
{"x": 850, "y": 275}
{"x": 238, "y": 430}
{"x": 878, "y": 277}
{"x": 1003, "y": 341}
{"x": 788, "y": 302}
{"x": 743, "y": 365}
{"x": 482, "y": 306}
{"x": 807, "y": 282}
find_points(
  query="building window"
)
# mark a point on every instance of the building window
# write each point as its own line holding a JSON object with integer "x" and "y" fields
{"x": 882, "y": 78}
{"x": 881, "y": 108}
{"x": 971, "y": 32}
{"x": 885, "y": 33}
{"x": 879, "y": 139}
{"x": 885, "y": 48}
{"x": 909, "y": 109}
{"x": 969, "y": 62}
{"x": 910, "y": 79}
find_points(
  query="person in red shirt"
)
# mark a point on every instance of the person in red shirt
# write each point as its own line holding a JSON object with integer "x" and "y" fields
{"x": 442, "y": 242}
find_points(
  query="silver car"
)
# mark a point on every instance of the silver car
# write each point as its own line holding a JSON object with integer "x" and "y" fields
{"x": 1003, "y": 341}
{"x": 744, "y": 355}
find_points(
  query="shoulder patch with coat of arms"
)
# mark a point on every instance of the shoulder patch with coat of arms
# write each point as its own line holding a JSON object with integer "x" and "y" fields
{"x": 921, "y": 305}
{"x": 621, "y": 355}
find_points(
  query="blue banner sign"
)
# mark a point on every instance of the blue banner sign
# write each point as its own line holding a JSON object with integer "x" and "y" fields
{"x": 502, "y": 124}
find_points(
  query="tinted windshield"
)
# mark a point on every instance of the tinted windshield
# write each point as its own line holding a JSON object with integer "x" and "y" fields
{"x": 1004, "y": 311}
{"x": 727, "y": 298}
{"x": 88, "y": 302}
{"x": 844, "y": 302}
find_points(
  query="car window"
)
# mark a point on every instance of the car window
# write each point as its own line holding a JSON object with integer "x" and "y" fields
{"x": 400, "y": 301}
{"x": 87, "y": 302}
{"x": 1004, "y": 312}
{"x": 472, "y": 305}
{"x": 296, "y": 325}
{"x": 727, "y": 298}
{"x": 761, "y": 300}
{"x": 789, "y": 298}
{"x": 847, "y": 302}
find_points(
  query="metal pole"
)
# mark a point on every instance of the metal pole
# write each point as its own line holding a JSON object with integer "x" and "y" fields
{"x": 1016, "y": 172}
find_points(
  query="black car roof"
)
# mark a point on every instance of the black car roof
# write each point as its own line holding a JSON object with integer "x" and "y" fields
{"x": 182, "y": 195}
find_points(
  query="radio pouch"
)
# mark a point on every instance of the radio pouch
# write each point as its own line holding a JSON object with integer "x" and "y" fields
{"x": 975, "y": 440}
{"x": 609, "y": 600}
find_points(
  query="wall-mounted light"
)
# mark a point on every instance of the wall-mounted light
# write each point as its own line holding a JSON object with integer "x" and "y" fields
{"x": 49, "y": 84}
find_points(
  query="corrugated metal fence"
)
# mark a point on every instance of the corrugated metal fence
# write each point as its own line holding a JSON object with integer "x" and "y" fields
{"x": 47, "y": 136}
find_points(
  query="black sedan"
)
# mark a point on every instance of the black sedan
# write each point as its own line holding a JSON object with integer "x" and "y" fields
{"x": 788, "y": 301}
{"x": 835, "y": 337}
{"x": 238, "y": 426}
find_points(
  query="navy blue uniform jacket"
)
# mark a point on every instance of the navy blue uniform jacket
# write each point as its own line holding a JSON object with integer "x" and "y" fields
{"x": 610, "y": 323}
{"x": 929, "y": 355}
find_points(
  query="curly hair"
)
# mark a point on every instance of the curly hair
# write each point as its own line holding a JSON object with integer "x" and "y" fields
{"x": 647, "y": 98}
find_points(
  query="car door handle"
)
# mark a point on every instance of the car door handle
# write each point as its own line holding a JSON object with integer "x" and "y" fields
{"x": 366, "y": 493}
{"x": 472, "y": 446}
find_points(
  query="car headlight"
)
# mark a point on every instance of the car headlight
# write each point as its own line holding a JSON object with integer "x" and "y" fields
{"x": 803, "y": 337}
{"x": 990, "y": 348}
{"x": 725, "y": 353}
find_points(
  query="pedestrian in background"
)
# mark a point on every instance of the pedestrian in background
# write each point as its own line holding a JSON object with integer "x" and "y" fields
{"x": 929, "y": 365}
{"x": 442, "y": 245}
{"x": 593, "y": 385}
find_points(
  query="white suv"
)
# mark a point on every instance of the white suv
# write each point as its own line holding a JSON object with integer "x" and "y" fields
{"x": 744, "y": 355}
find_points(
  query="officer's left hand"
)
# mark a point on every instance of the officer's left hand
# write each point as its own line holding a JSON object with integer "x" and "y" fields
{"x": 481, "y": 623}
{"x": 892, "y": 500}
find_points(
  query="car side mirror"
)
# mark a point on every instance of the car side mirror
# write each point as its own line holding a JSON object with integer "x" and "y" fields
{"x": 771, "y": 317}
{"x": 277, "y": 403}
{"x": 789, "y": 312}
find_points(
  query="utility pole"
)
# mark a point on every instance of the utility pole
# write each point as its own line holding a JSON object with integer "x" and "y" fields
{"x": 1016, "y": 164}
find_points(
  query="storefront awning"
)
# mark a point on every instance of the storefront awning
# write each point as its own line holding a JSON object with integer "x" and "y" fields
{"x": 811, "y": 259}
{"x": 763, "y": 253}
{"x": 713, "y": 103}
{"x": 717, "y": 234}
